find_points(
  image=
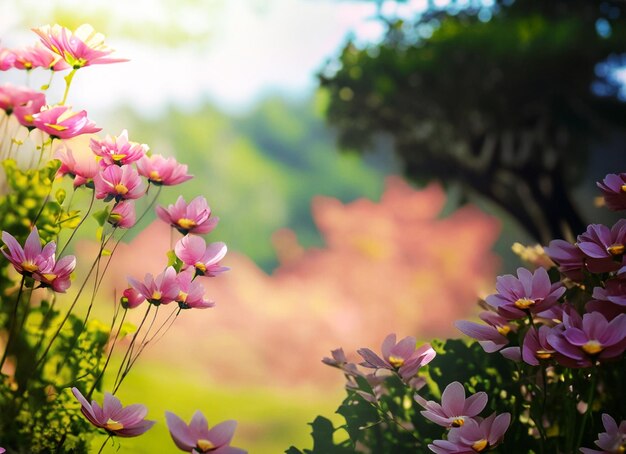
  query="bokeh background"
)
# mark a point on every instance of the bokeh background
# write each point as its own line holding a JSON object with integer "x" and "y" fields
{"x": 371, "y": 162}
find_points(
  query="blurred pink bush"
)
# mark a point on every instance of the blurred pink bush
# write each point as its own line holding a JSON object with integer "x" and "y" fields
{"x": 388, "y": 266}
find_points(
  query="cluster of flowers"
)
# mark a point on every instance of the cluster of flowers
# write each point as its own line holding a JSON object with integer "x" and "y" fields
{"x": 118, "y": 172}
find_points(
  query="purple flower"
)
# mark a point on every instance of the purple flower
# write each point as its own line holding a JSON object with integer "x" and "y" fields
{"x": 162, "y": 289}
{"x": 402, "y": 357}
{"x": 491, "y": 337}
{"x": 613, "y": 441}
{"x": 454, "y": 408}
{"x": 536, "y": 347}
{"x": 340, "y": 361}
{"x": 568, "y": 257}
{"x": 590, "y": 338}
{"x": 58, "y": 278}
{"x": 197, "y": 438}
{"x": 116, "y": 420}
{"x": 613, "y": 188}
{"x": 163, "y": 171}
{"x": 194, "y": 252}
{"x": 193, "y": 218}
{"x": 119, "y": 183}
{"x": 605, "y": 245}
{"x": 476, "y": 435}
{"x": 528, "y": 293}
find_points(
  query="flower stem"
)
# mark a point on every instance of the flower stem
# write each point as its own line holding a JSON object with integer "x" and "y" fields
{"x": 592, "y": 389}
{"x": 12, "y": 323}
{"x": 103, "y": 444}
{"x": 68, "y": 82}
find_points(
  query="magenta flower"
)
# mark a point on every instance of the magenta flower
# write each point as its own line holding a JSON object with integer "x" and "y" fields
{"x": 528, "y": 293}
{"x": 131, "y": 298}
{"x": 191, "y": 292}
{"x": 162, "y": 289}
{"x": 402, "y": 357}
{"x": 197, "y": 438}
{"x": 118, "y": 150}
{"x": 25, "y": 110}
{"x": 123, "y": 215}
{"x": 614, "y": 291}
{"x": 568, "y": 257}
{"x": 62, "y": 123}
{"x": 32, "y": 259}
{"x": 82, "y": 168}
{"x": 118, "y": 183}
{"x": 193, "y": 218}
{"x": 7, "y": 58}
{"x": 454, "y": 408}
{"x": 162, "y": 171}
{"x": 536, "y": 348}
{"x": 193, "y": 252}
{"x": 38, "y": 57}
{"x": 58, "y": 278}
{"x": 613, "y": 188}
{"x": 116, "y": 420}
{"x": 476, "y": 435}
{"x": 340, "y": 361}
{"x": 590, "y": 338}
{"x": 491, "y": 337}
{"x": 83, "y": 47}
{"x": 605, "y": 245}
{"x": 613, "y": 441}
{"x": 12, "y": 96}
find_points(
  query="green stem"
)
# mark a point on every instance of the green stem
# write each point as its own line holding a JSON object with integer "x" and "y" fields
{"x": 103, "y": 444}
{"x": 12, "y": 323}
{"x": 68, "y": 82}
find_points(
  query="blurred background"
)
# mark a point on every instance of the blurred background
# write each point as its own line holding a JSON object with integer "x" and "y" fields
{"x": 371, "y": 162}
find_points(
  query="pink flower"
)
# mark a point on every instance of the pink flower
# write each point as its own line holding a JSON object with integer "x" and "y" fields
{"x": 162, "y": 289}
{"x": 197, "y": 438}
{"x": 402, "y": 357}
{"x": 82, "y": 170}
{"x": 123, "y": 215}
{"x": 528, "y": 293}
{"x": 131, "y": 298}
{"x": 476, "y": 435}
{"x": 454, "y": 408}
{"x": 7, "y": 58}
{"x": 61, "y": 123}
{"x": 569, "y": 258}
{"x": 491, "y": 337}
{"x": 590, "y": 338}
{"x": 119, "y": 183}
{"x": 38, "y": 57}
{"x": 83, "y": 47}
{"x": 613, "y": 441}
{"x": 32, "y": 259}
{"x": 116, "y": 420}
{"x": 118, "y": 150}
{"x": 191, "y": 292}
{"x": 58, "y": 278}
{"x": 12, "y": 96}
{"x": 613, "y": 188}
{"x": 194, "y": 252}
{"x": 162, "y": 171}
{"x": 340, "y": 361}
{"x": 192, "y": 218}
{"x": 605, "y": 245}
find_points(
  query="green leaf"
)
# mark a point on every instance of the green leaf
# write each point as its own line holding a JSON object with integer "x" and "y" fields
{"x": 101, "y": 216}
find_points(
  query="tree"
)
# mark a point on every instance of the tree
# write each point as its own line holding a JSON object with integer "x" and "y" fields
{"x": 507, "y": 100}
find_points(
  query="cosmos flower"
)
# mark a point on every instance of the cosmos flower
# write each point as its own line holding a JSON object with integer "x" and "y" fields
{"x": 117, "y": 420}
{"x": 61, "y": 122}
{"x": 82, "y": 168}
{"x": 191, "y": 292}
{"x": 613, "y": 441}
{"x": 123, "y": 215}
{"x": 7, "y": 58}
{"x": 476, "y": 435}
{"x": 131, "y": 298}
{"x": 197, "y": 438}
{"x": 491, "y": 337}
{"x": 193, "y": 252}
{"x": 118, "y": 150}
{"x": 193, "y": 218}
{"x": 613, "y": 188}
{"x": 38, "y": 57}
{"x": 162, "y": 289}
{"x": 454, "y": 408}
{"x": 119, "y": 183}
{"x": 162, "y": 171}
{"x": 606, "y": 246}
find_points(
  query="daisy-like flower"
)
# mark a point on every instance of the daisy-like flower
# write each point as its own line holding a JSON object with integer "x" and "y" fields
{"x": 81, "y": 168}
{"x": 197, "y": 438}
{"x": 569, "y": 258}
{"x": 402, "y": 356}
{"x": 38, "y": 57}
{"x": 476, "y": 435}
{"x": 117, "y": 420}
{"x": 119, "y": 183}
{"x": 340, "y": 361}
{"x": 194, "y": 253}
{"x": 82, "y": 47}
{"x": 191, "y": 292}
{"x": 605, "y": 245}
{"x": 131, "y": 298}
{"x": 613, "y": 188}
{"x": 118, "y": 150}
{"x": 7, "y": 58}
{"x": 61, "y": 122}
{"x": 58, "y": 277}
{"x": 491, "y": 337}
{"x": 528, "y": 293}
{"x": 613, "y": 441}
{"x": 162, "y": 289}
{"x": 162, "y": 171}
{"x": 454, "y": 408}
{"x": 193, "y": 218}
{"x": 123, "y": 215}
{"x": 12, "y": 96}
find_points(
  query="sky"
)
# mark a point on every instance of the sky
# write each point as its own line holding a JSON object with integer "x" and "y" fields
{"x": 254, "y": 47}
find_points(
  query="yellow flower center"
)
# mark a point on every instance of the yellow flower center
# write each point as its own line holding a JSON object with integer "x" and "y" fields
{"x": 480, "y": 445}
{"x": 156, "y": 295}
{"x": 504, "y": 329}
{"x": 182, "y": 296}
{"x": 154, "y": 175}
{"x": 458, "y": 422}
{"x": 29, "y": 266}
{"x": 186, "y": 224}
{"x": 121, "y": 189}
{"x": 205, "y": 445}
{"x": 544, "y": 354}
{"x": 616, "y": 249}
{"x": 56, "y": 127}
{"x": 114, "y": 218}
{"x": 623, "y": 188}
{"x": 28, "y": 118}
{"x": 200, "y": 266}
{"x": 118, "y": 157}
{"x": 113, "y": 425}
{"x": 49, "y": 277}
{"x": 396, "y": 361}
{"x": 524, "y": 303}
{"x": 592, "y": 347}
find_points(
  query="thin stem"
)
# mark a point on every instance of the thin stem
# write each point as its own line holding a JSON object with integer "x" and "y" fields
{"x": 103, "y": 444}
{"x": 68, "y": 82}
{"x": 79, "y": 224}
{"x": 12, "y": 323}
{"x": 106, "y": 363}
{"x": 592, "y": 389}
{"x": 132, "y": 342}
